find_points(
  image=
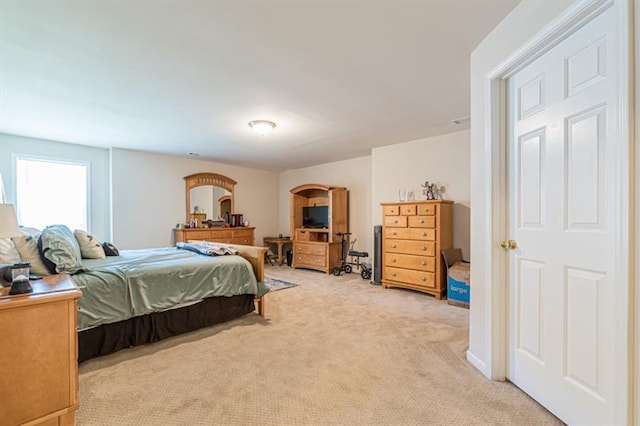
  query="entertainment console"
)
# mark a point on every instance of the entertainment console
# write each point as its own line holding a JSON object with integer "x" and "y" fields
{"x": 316, "y": 205}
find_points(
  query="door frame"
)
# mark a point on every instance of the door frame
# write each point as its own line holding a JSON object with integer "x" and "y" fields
{"x": 496, "y": 130}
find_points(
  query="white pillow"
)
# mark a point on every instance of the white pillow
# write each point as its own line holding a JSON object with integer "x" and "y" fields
{"x": 34, "y": 232}
{"x": 8, "y": 252}
{"x": 90, "y": 246}
{"x": 27, "y": 247}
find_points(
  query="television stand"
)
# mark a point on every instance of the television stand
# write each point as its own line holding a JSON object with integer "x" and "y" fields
{"x": 317, "y": 248}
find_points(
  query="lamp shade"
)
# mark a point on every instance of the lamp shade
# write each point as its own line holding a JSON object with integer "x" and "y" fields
{"x": 8, "y": 221}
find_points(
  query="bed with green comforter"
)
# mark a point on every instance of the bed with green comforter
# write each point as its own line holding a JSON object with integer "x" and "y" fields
{"x": 141, "y": 282}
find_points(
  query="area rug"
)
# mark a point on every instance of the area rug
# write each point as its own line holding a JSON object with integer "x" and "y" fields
{"x": 275, "y": 285}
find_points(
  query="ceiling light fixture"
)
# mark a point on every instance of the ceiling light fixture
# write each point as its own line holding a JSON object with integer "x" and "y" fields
{"x": 262, "y": 126}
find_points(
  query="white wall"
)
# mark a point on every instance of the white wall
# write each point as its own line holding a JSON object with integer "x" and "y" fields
{"x": 355, "y": 175}
{"x": 442, "y": 159}
{"x": 149, "y": 196}
{"x": 98, "y": 158}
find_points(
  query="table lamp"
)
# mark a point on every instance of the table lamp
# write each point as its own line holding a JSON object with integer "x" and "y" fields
{"x": 9, "y": 228}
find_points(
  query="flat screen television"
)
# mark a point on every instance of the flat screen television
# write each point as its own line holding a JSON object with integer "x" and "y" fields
{"x": 315, "y": 217}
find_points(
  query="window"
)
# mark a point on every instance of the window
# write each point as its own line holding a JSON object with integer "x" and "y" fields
{"x": 51, "y": 191}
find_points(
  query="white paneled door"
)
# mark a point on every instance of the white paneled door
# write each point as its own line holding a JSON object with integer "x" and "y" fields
{"x": 563, "y": 118}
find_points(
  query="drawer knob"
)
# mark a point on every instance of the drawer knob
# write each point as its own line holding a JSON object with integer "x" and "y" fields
{"x": 393, "y": 246}
{"x": 395, "y": 221}
{"x": 424, "y": 234}
{"x": 423, "y": 263}
{"x": 318, "y": 260}
{"x": 423, "y": 278}
{"x": 423, "y": 248}
{"x": 421, "y": 220}
{"x": 393, "y": 260}
{"x": 394, "y": 233}
{"x": 393, "y": 274}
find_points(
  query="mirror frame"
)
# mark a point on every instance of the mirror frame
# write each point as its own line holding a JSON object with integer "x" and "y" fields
{"x": 205, "y": 179}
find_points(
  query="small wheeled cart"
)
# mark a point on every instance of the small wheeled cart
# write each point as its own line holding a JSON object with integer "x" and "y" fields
{"x": 356, "y": 259}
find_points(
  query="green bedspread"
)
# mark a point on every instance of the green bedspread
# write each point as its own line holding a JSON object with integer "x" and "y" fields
{"x": 139, "y": 282}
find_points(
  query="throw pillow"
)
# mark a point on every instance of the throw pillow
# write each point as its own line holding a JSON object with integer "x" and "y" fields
{"x": 90, "y": 247}
{"x": 110, "y": 249}
{"x": 59, "y": 246}
{"x": 27, "y": 247}
{"x": 8, "y": 252}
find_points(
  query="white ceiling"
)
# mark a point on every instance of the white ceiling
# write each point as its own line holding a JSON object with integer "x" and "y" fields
{"x": 187, "y": 76}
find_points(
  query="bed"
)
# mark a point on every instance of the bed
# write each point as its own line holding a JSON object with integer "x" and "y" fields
{"x": 143, "y": 296}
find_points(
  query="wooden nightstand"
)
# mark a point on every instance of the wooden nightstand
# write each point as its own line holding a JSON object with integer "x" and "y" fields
{"x": 39, "y": 353}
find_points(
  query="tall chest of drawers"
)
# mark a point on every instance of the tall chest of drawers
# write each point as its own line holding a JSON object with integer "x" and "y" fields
{"x": 414, "y": 234}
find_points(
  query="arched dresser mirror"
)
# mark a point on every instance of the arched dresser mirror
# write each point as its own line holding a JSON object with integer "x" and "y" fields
{"x": 209, "y": 196}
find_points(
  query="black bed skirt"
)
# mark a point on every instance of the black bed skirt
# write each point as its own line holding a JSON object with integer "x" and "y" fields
{"x": 110, "y": 338}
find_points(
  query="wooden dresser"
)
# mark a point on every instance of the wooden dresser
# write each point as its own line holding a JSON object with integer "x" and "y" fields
{"x": 413, "y": 236}
{"x": 313, "y": 251}
{"x": 239, "y": 235}
{"x": 38, "y": 354}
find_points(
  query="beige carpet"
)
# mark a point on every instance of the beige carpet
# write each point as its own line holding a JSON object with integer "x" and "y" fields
{"x": 333, "y": 350}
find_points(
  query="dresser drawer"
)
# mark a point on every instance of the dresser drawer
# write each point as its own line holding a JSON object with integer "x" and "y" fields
{"x": 418, "y": 278}
{"x": 422, "y": 263}
{"x": 314, "y": 249}
{"x": 209, "y": 235}
{"x": 396, "y": 221}
{"x": 390, "y": 210}
{"x": 421, "y": 248}
{"x": 408, "y": 209}
{"x": 411, "y": 234}
{"x": 245, "y": 241}
{"x": 241, "y": 233}
{"x": 311, "y": 260}
{"x": 422, "y": 221}
{"x": 426, "y": 209}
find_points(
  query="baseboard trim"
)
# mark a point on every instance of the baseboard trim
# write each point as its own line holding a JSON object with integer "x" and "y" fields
{"x": 477, "y": 363}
